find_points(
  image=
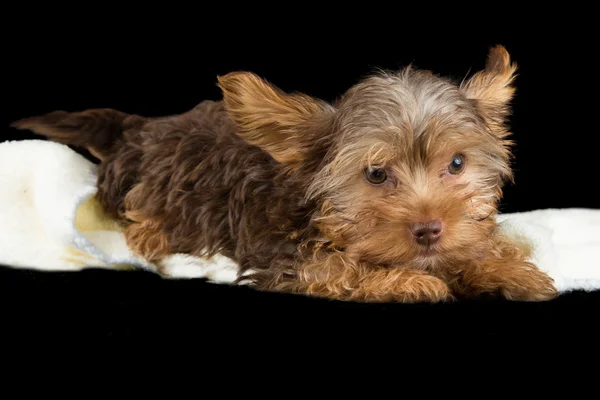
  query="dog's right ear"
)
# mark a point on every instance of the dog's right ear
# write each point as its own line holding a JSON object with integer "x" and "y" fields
{"x": 282, "y": 124}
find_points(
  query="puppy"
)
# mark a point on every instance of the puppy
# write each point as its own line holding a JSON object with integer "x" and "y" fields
{"x": 388, "y": 195}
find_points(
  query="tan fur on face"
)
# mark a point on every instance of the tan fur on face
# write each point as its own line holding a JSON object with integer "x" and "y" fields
{"x": 412, "y": 123}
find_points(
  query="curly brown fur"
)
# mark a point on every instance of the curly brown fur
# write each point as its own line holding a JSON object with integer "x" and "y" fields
{"x": 278, "y": 182}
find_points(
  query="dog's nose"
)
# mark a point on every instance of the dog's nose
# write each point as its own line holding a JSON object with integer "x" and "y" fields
{"x": 427, "y": 233}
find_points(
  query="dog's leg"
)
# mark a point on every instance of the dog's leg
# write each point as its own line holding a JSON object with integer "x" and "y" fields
{"x": 147, "y": 239}
{"x": 398, "y": 284}
{"x": 338, "y": 278}
{"x": 509, "y": 278}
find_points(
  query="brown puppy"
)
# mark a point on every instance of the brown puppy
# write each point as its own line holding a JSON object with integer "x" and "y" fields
{"x": 389, "y": 195}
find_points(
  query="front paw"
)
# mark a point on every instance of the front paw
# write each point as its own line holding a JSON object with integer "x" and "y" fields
{"x": 414, "y": 289}
{"x": 528, "y": 284}
{"x": 517, "y": 282}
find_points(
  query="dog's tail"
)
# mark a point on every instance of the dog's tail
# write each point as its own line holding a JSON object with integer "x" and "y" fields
{"x": 96, "y": 130}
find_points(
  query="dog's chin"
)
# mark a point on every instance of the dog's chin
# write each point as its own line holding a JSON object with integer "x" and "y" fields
{"x": 428, "y": 257}
{"x": 429, "y": 251}
{"x": 444, "y": 253}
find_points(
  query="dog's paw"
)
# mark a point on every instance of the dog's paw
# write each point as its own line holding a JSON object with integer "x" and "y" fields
{"x": 424, "y": 288}
{"x": 518, "y": 282}
{"x": 417, "y": 288}
{"x": 528, "y": 285}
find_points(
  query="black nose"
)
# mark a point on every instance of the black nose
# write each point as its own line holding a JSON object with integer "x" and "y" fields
{"x": 428, "y": 233}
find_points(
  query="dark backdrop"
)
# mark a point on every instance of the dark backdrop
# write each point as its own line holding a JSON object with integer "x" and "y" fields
{"x": 165, "y": 62}
{"x": 158, "y": 67}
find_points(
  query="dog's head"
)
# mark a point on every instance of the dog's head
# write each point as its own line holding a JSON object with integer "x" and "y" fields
{"x": 407, "y": 167}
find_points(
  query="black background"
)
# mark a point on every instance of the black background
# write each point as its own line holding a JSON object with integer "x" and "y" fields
{"x": 157, "y": 62}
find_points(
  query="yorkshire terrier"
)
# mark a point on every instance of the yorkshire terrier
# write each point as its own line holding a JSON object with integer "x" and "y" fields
{"x": 390, "y": 194}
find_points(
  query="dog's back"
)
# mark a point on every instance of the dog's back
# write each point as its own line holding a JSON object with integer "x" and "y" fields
{"x": 186, "y": 179}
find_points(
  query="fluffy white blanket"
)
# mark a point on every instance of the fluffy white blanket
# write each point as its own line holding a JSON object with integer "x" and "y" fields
{"x": 50, "y": 220}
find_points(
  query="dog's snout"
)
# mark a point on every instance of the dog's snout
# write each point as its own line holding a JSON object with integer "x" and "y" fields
{"x": 427, "y": 233}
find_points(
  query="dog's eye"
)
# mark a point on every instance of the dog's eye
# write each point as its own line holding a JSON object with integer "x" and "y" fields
{"x": 376, "y": 175}
{"x": 457, "y": 164}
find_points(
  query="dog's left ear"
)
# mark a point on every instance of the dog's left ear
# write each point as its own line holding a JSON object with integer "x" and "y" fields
{"x": 285, "y": 125}
{"x": 492, "y": 89}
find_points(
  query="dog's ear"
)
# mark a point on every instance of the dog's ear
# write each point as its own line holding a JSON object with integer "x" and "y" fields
{"x": 285, "y": 125}
{"x": 492, "y": 89}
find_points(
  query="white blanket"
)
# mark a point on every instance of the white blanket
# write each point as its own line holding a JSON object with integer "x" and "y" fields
{"x": 50, "y": 220}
